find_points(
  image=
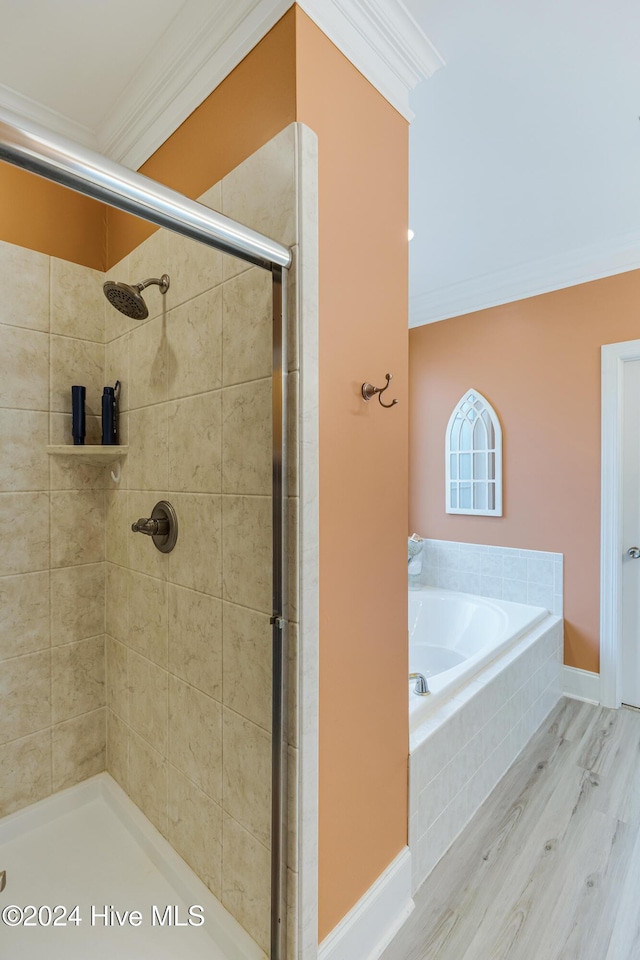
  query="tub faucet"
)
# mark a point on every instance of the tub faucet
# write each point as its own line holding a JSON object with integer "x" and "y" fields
{"x": 415, "y": 561}
{"x": 415, "y": 546}
{"x": 421, "y": 687}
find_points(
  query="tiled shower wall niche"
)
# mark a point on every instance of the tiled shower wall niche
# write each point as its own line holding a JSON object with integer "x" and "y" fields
{"x": 52, "y": 518}
{"x": 189, "y": 640}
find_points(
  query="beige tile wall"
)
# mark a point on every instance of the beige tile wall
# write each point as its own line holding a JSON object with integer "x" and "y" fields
{"x": 188, "y": 635}
{"x": 52, "y": 523}
{"x": 188, "y": 651}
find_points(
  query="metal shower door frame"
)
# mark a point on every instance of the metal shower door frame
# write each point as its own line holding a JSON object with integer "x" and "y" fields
{"x": 279, "y": 739}
{"x": 35, "y": 149}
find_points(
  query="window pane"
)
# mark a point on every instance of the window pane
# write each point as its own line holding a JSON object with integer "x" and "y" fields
{"x": 490, "y": 432}
{"x": 492, "y": 466}
{"x": 454, "y": 496}
{"x": 480, "y": 466}
{"x": 471, "y": 397}
{"x": 465, "y": 466}
{"x": 465, "y": 496}
{"x": 465, "y": 436}
{"x": 455, "y": 433}
{"x": 492, "y": 496}
{"x": 454, "y": 467}
{"x": 479, "y": 436}
{"x": 479, "y": 496}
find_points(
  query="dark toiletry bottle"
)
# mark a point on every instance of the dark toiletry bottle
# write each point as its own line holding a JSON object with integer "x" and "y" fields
{"x": 78, "y": 421}
{"x": 110, "y": 414}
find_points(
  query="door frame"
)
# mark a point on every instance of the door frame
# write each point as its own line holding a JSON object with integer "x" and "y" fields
{"x": 613, "y": 358}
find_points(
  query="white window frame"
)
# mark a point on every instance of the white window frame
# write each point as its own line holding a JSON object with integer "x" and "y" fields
{"x": 458, "y": 410}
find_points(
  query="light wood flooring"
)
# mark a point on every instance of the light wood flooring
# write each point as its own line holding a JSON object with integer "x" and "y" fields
{"x": 549, "y": 867}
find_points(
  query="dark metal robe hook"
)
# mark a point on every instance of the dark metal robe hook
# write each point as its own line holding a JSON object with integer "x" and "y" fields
{"x": 369, "y": 391}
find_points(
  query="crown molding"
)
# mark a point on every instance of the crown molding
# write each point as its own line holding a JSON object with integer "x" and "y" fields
{"x": 202, "y": 46}
{"x": 208, "y": 39}
{"x": 383, "y": 40}
{"x": 46, "y": 117}
{"x": 618, "y": 255}
{"x": 380, "y": 37}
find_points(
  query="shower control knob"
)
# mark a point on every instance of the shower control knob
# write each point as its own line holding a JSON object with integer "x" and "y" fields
{"x": 161, "y": 526}
{"x": 634, "y": 553}
{"x": 152, "y": 528}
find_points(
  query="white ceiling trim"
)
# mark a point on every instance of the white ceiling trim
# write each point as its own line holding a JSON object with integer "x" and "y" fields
{"x": 594, "y": 262}
{"x": 381, "y": 39}
{"x": 207, "y": 40}
{"x": 46, "y": 117}
{"x": 181, "y": 72}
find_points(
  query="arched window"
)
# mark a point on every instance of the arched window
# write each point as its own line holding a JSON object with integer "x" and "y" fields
{"x": 474, "y": 458}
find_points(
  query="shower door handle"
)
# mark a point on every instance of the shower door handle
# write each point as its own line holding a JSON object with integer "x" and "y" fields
{"x": 634, "y": 553}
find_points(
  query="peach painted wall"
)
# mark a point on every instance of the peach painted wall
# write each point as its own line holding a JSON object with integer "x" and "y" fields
{"x": 43, "y": 216}
{"x": 363, "y": 171}
{"x": 538, "y": 362}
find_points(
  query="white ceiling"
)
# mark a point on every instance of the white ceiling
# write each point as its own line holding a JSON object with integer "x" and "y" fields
{"x": 77, "y": 57}
{"x": 525, "y": 148}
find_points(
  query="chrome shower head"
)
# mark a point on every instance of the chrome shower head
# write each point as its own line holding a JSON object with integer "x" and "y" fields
{"x": 129, "y": 300}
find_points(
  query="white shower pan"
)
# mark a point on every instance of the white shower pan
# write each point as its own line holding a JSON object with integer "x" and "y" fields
{"x": 90, "y": 846}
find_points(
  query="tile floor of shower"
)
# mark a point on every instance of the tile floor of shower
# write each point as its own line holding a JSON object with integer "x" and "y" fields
{"x": 90, "y": 847}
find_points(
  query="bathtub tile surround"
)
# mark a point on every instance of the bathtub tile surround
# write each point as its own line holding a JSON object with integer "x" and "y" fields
{"x": 502, "y": 573}
{"x": 52, "y": 530}
{"x": 189, "y": 641}
{"x": 459, "y": 754}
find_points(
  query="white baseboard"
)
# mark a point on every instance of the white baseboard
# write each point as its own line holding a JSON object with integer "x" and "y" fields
{"x": 370, "y": 926}
{"x": 581, "y": 684}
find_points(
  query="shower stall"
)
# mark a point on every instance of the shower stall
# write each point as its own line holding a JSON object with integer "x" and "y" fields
{"x": 149, "y": 694}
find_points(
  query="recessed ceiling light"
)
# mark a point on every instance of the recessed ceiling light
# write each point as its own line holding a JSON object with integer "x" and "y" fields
{"x": 410, "y": 234}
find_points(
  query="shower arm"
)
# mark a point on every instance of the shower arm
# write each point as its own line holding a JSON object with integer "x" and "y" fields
{"x": 34, "y": 148}
{"x": 162, "y": 282}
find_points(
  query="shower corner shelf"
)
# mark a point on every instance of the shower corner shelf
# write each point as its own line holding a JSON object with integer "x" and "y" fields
{"x": 94, "y": 454}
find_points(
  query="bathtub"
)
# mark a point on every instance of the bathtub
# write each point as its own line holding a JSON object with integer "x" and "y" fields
{"x": 495, "y": 671}
{"x": 453, "y": 636}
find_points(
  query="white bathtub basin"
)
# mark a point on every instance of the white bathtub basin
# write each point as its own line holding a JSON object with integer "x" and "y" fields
{"x": 453, "y": 636}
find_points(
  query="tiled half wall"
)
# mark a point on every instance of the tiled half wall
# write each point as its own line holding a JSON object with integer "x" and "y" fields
{"x": 459, "y": 755}
{"x": 504, "y": 573}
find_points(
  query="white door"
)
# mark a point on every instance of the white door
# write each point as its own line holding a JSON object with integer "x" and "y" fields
{"x": 630, "y": 653}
